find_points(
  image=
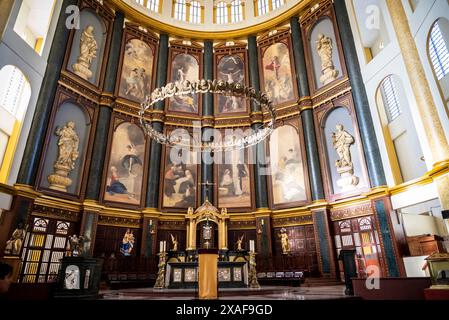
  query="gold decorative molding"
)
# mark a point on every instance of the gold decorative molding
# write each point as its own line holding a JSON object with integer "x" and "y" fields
{"x": 292, "y": 221}
{"x": 26, "y": 191}
{"x": 340, "y": 88}
{"x": 56, "y": 213}
{"x": 118, "y": 221}
{"x": 347, "y": 212}
{"x": 53, "y": 202}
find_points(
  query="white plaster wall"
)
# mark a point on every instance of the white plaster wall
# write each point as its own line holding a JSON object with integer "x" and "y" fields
{"x": 388, "y": 61}
{"x": 416, "y": 225}
{"x": 421, "y": 21}
{"x": 15, "y": 51}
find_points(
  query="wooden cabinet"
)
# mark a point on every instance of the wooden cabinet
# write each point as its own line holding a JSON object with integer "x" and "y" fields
{"x": 425, "y": 245}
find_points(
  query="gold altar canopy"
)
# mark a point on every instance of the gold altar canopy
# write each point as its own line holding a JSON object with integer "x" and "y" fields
{"x": 205, "y": 212}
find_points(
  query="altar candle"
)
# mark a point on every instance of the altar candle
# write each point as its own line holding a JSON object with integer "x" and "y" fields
{"x": 251, "y": 245}
{"x": 161, "y": 246}
{"x": 165, "y": 245}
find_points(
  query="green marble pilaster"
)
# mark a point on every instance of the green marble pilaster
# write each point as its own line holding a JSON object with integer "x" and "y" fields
{"x": 313, "y": 160}
{"x": 366, "y": 127}
{"x": 105, "y": 112}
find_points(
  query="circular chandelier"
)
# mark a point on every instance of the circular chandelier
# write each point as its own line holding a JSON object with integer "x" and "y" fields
{"x": 222, "y": 87}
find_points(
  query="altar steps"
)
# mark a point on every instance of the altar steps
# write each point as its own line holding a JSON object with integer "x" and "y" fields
{"x": 321, "y": 282}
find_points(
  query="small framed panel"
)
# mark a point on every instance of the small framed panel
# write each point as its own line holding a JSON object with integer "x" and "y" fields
{"x": 322, "y": 46}
{"x": 224, "y": 274}
{"x": 276, "y": 68}
{"x": 190, "y": 274}
{"x": 230, "y": 64}
{"x": 180, "y": 176}
{"x": 88, "y": 49}
{"x": 288, "y": 176}
{"x": 138, "y": 61}
{"x": 68, "y": 146}
{"x": 177, "y": 275}
{"x": 185, "y": 62}
{"x": 125, "y": 175}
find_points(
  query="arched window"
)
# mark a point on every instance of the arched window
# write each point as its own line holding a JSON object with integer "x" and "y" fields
{"x": 438, "y": 51}
{"x": 15, "y": 93}
{"x": 277, "y": 4}
{"x": 222, "y": 13}
{"x": 153, "y": 5}
{"x": 402, "y": 143}
{"x": 180, "y": 10}
{"x": 236, "y": 11}
{"x": 33, "y": 21}
{"x": 391, "y": 99}
{"x": 262, "y": 7}
{"x": 195, "y": 12}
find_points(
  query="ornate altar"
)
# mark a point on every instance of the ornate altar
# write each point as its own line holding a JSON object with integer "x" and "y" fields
{"x": 204, "y": 226}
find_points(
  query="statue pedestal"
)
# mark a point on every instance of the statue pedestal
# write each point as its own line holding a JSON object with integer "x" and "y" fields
{"x": 329, "y": 75}
{"x": 79, "y": 278}
{"x": 348, "y": 180}
{"x": 82, "y": 70}
{"x": 60, "y": 180}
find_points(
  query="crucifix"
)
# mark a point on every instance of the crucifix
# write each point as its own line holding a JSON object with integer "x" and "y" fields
{"x": 207, "y": 184}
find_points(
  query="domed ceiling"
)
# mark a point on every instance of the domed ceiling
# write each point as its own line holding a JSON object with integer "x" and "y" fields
{"x": 207, "y": 19}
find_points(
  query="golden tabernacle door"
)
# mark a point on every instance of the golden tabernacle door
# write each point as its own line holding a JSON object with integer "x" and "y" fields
{"x": 205, "y": 219}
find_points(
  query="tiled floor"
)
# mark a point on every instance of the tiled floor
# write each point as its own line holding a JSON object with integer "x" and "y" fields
{"x": 264, "y": 293}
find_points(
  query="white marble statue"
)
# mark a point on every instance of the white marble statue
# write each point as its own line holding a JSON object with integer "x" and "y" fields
{"x": 88, "y": 51}
{"x": 324, "y": 49}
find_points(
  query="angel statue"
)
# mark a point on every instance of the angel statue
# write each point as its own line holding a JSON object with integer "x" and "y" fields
{"x": 239, "y": 243}
{"x": 174, "y": 242}
{"x": 284, "y": 241}
{"x": 14, "y": 244}
{"x": 75, "y": 245}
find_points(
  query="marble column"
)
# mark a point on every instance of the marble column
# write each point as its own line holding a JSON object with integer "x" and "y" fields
{"x": 369, "y": 141}
{"x": 36, "y": 137}
{"x": 105, "y": 112}
{"x": 152, "y": 199}
{"x": 260, "y": 179}
{"x": 427, "y": 109}
{"x": 207, "y": 167}
{"x": 305, "y": 104}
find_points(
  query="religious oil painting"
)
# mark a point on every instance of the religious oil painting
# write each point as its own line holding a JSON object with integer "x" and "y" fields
{"x": 125, "y": 168}
{"x": 277, "y": 73}
{"x": 231, "y": 69}
{"x": 180, "y": 183}
{"x": 184, "y": 67}
{"x": 135, "y": 80}
{"x": 234, "y": 180}
{"x": 287, "y": 170}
